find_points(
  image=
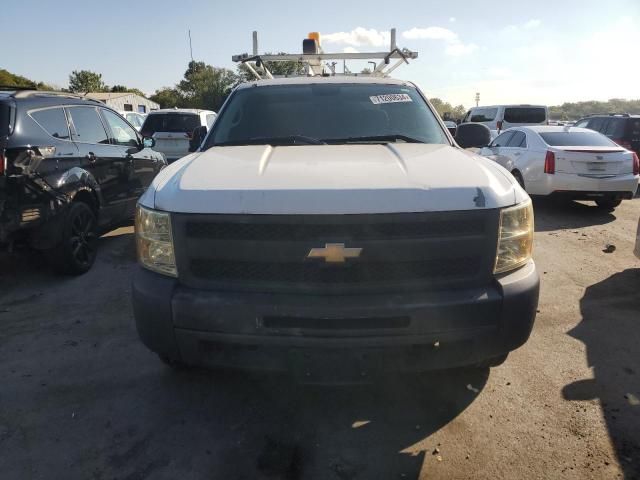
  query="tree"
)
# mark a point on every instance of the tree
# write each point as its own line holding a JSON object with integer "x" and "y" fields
{"x": 123, "y": 89}
{"x": 86, "y": 81}
{"x": 205, "y": 86}
{"x": 9, "y": 79}
{"x": 446, "y": 110}
{"x": 168, "y": 98}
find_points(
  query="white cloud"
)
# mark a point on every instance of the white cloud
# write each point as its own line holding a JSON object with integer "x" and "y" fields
{"x": 452, "y": 19}
{"x": 534, "y": 23}
{"x": 459, "y": 49}
{"x": 430, "y": 33}
{"x": 454, "y": 46}
{"x": 370, "y": 37}
{"x": 350, "y": 50}
{"x": 359, "y": 37}
{"x": 529, "y": 25}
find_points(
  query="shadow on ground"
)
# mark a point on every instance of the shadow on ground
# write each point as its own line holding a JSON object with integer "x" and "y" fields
{"x": 82, "y": 398}
{"x": 610, "y": 329}
{"x": 557, "y": 214}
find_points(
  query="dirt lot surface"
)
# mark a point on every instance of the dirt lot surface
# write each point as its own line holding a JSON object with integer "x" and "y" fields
{"x": 81, "y": 398}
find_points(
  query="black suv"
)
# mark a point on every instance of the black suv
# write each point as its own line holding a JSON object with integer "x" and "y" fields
{"x": 622, "y": 128}
{"x": 70, "y": 168}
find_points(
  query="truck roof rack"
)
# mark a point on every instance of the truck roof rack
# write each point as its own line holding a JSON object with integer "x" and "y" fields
{"x": 316, "y": 62}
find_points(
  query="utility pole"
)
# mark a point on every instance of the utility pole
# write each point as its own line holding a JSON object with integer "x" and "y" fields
{"x": 190, "y": 47}
{"x": 477, "y": 98}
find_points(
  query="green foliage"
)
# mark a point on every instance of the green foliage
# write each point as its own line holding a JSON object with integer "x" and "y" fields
{"x": 446, "y": 110}
{"x": 577, "y": 110}
{"x": 168, "y": 98}
{"x": 123, "y": 89}
{"x": 12, "y": 80}
{"x": 84, "y": 81}
{"x": 205, "y": 86}
{"x": 277, "y": 69}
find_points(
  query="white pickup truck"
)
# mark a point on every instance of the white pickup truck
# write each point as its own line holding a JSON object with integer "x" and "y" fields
{"x": 333, "y": 224}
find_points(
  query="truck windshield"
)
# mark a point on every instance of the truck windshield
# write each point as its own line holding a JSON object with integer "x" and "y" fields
{"x": 326, "y": 113}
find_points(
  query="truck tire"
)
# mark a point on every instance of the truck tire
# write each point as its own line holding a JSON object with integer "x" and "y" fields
{"x": 493, "y": 361}
{"x": 76, "y": 252}
{"x": 608, "y": 203}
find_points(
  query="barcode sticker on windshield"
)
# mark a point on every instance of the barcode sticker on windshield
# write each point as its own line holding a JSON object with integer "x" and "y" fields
{"x": 391, "y": 98}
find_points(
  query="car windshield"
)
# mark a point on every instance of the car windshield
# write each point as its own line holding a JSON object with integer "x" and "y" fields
{"x": 576, "y": 139}
{"x": 170, "y": 122}
{"x": 326, "y": 113}
{"x": 525, "y": 114}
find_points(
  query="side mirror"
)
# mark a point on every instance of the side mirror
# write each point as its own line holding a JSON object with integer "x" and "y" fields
{"x": 470, "y": 135}
{"x": 197, "y": 137}
{"x": 148, "y": 142}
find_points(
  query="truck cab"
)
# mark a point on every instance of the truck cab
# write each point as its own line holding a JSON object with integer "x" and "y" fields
{"x": 332, "y": 224}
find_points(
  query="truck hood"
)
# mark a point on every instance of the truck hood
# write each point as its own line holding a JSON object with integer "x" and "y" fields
{"x": 332, "y": 179}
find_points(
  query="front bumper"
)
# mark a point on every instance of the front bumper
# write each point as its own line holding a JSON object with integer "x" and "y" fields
{"x": 275, "y": 332}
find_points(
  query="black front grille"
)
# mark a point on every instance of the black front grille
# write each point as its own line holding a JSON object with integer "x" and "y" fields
{"x": 453, "y": 225}
{"x": 317, "y": 272}
{"x": 400, "y": 252}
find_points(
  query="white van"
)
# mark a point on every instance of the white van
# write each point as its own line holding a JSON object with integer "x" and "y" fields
{"x": 501, "y": 117}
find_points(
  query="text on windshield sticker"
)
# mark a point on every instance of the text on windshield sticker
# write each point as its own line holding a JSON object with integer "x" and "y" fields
{"x": 391, "y": 98}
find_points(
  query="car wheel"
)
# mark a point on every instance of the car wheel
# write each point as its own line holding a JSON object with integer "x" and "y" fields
{"x": 76, "y": 252}
{"x": 493, "y": 361}
{"x": 608, "y": 204}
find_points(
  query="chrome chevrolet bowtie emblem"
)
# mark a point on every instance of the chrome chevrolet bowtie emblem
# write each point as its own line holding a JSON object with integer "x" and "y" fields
{"x": 334, "y": 253}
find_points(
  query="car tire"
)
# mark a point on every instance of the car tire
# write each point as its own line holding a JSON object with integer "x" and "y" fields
{"x": 608, "y": 204}
{"x": 76, "y": 252}
{"x": 493, "y": 361}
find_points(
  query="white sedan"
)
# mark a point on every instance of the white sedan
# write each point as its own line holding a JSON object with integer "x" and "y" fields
{"x": 576, "y": 163}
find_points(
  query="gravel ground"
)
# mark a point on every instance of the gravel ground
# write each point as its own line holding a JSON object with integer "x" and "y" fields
{"x": 81, "y": 398}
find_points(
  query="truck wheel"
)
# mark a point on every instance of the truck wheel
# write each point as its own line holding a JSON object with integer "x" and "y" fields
{"x": 75, "y": 254}
{"x": 493, "y": 361}
{"x": 609, "y": 204}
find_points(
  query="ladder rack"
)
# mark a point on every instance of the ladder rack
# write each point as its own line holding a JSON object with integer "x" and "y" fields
{"x": 316, "y": 61}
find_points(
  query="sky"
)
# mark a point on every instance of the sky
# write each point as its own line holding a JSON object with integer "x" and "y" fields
{"x": 539, "y": 51}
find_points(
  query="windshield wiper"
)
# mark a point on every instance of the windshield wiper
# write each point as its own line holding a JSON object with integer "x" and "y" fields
{"x": 376, "y": 138}
{"x": 287, "y": 140}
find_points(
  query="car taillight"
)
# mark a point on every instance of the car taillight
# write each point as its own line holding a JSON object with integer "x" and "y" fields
{"x": 499, "y": 125}
{"x": 2, "y": 167}
{"x": 636, "y": 163}
{"x": 550, "y": 162}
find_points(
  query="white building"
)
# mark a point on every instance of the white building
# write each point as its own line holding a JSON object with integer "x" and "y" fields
{"x": 124, "y": 101}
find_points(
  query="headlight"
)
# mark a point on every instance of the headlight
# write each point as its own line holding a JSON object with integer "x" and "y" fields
{"x": 516, "y": 237}
{"x": 154, "y": 241}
